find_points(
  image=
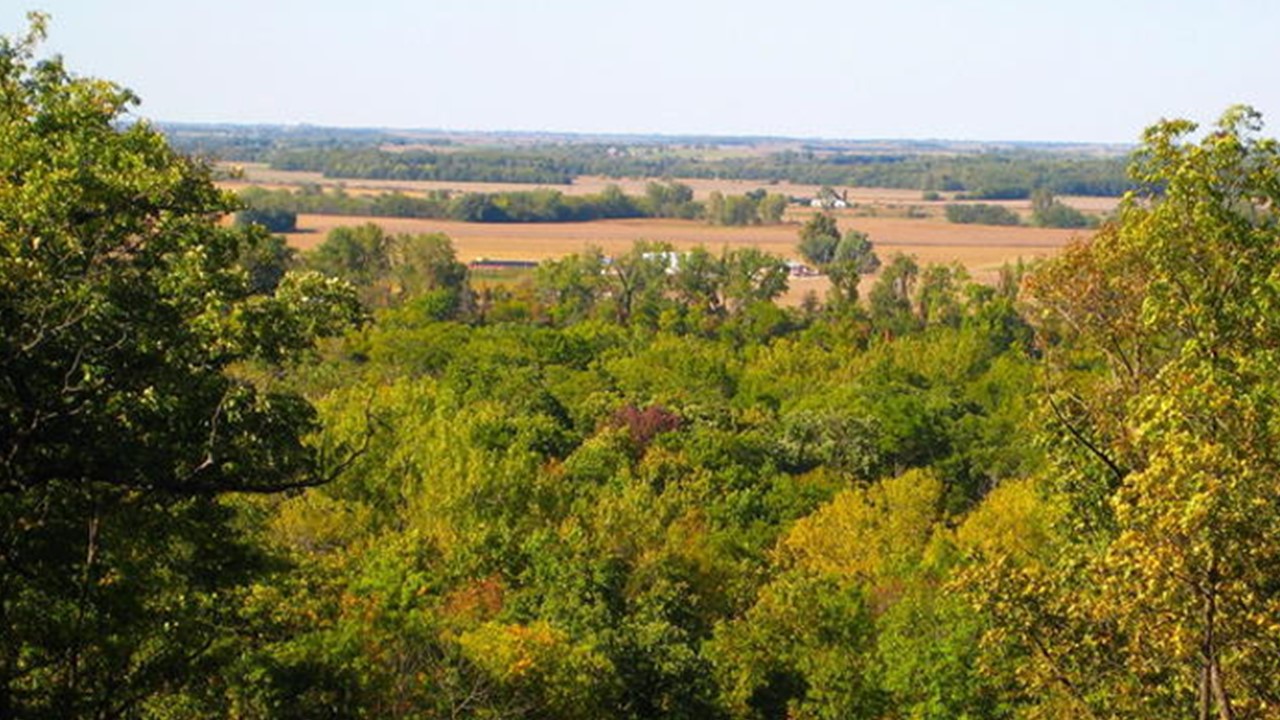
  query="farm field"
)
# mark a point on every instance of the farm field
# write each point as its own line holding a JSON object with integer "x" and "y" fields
{"x": 263, "y": 176}
{"x": 896, "y": 220}
{"x": 980, "y": 248}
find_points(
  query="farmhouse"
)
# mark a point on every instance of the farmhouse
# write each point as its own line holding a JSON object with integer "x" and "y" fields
{"x": 828, "y": 199}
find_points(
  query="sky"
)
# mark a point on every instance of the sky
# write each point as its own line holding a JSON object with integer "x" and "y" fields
{"x": 988, "y": 70}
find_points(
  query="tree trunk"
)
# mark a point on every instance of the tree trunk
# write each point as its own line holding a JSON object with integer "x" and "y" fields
{"x": 1220, "y": 692}
{"x": 1212, "y": 670}
{"x": 1206, "y": 696}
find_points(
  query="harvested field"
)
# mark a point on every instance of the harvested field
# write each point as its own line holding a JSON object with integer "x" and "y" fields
{"x": 262, "y": 175}
{"x": 982, "y": 249}
{"x": 884, "y": 214}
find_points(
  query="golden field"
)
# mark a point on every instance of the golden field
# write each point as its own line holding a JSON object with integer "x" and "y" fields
{"x": 897, "y": 221}
{"x": 978, "y": 247}
{"x": 889, "y": 198}
{"x": 981, "y": 249}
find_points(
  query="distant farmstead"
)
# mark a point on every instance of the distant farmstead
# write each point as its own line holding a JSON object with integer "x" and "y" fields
{"x": 828, "y": 199}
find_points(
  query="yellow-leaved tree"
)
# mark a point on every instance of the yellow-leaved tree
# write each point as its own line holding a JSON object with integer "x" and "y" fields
{"x": 1159, "y": 592}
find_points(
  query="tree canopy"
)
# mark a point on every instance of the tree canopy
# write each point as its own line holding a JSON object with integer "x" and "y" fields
{"x": 844, "y": 258}
{"x": 629, "y": 487}
{"x": 1157, "y": 595}
{"x": 124, "y": 410}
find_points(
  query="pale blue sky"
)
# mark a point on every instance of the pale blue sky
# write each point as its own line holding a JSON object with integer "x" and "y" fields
{"x": 1079, "y": 70}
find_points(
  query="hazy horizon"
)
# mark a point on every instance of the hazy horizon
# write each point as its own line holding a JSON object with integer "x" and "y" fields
{"x": 745, "y": 139}
{"x": 987, "y": 71}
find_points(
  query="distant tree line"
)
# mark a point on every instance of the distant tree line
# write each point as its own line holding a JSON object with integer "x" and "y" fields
{"x": 496, "y": 165}
{"x": 1046, "y": 211}
{"x": 361, "y": 153}
{"x": 981, "y": 214}
{"x": 274, "y": 219}
{"x": 257, "y": 143}
{"x": 754, "y": 208}
{"x": 277, "y": 209}
{"x": 989, "y": 176}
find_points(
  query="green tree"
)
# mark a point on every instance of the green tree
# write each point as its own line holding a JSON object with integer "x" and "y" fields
{"x": 819, "y": 237}
{"x": 772, "y": 207}
{"x": 938, "y": 299}
{"x": 613, "y": 203}
{"x": 852, "y": 258}
{"x": 892, "y": 294}
{"x": 427, "y": 268}
{"x": 476, "y": 207}
{"x": 125, "y": 406}
{"x": 638, "y": 280}
{"x": 844, "y": 258}
{"x": 359, "y": 255}
{"x": 698, "y": 282}
{"x": 571, "y": 287}
{"x": 275, "y": 220}
{"x": 266, "y": 259}
{"x": 669, "y": 199}
{"x": 715, "y": 207}
{"x": 981, "y": 214}
{"x": 805, "y": 649}
{"x": 1048, "y": 211}
{"x": 752, "y": 276}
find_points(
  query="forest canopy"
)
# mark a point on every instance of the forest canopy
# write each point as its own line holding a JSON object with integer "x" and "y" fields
{"x": 242, "y": 481}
